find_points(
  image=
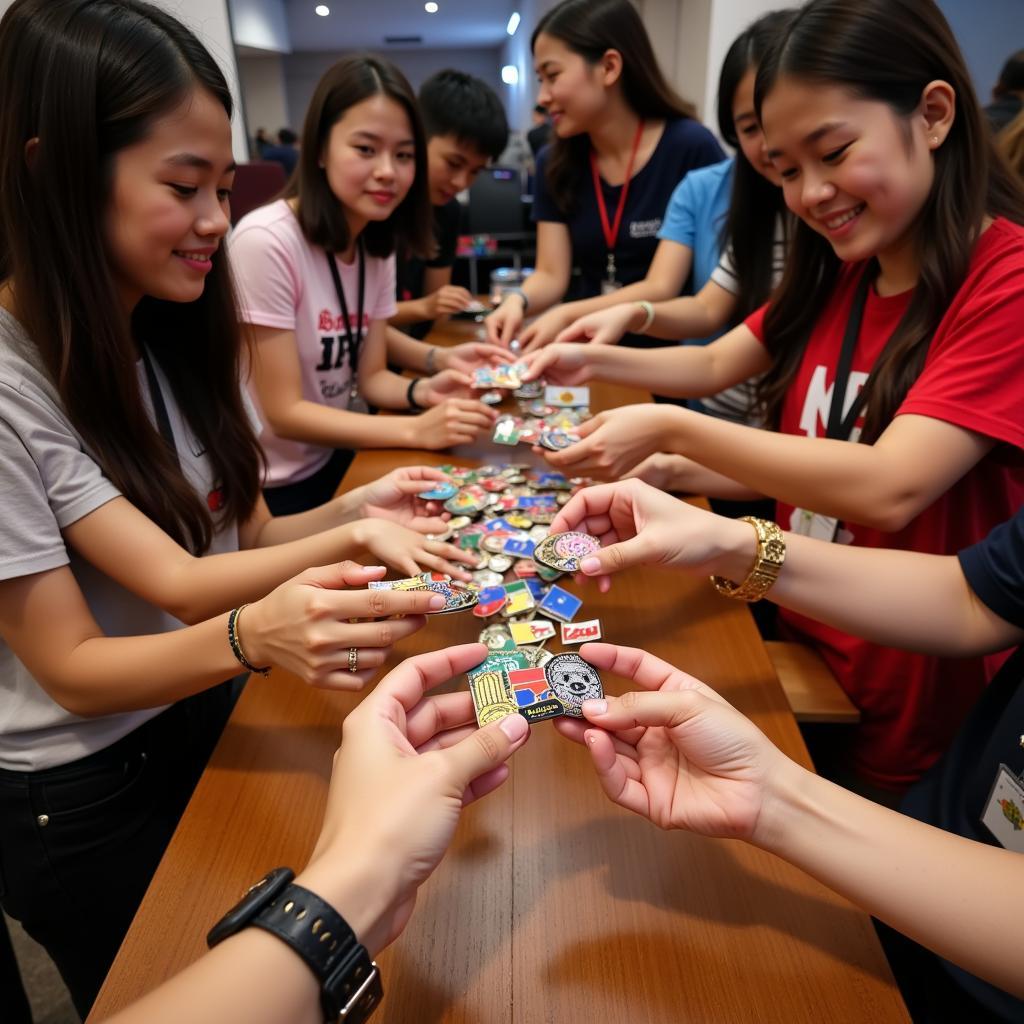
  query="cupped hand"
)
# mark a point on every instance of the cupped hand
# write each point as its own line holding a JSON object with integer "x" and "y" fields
{"x": 410, "y": 551}
{"x": 454, "y": 421}
{"x": 613, "y": 442}
{"x": 407, "y": 766}
{"x": 674, "y": 751}
{"x": 605, "y": 327}
{"x": 306, "y": 626}
{"x": 504, "y": 322}
{"x": 394, "y": 497}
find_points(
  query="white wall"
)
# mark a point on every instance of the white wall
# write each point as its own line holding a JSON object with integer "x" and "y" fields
{"x": 261, "y": 24}
{"x": 303, "y": 70}
{"x": 266, "y": 104}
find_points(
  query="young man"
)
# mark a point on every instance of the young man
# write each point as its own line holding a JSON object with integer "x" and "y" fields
{"x": 466, "y": 130}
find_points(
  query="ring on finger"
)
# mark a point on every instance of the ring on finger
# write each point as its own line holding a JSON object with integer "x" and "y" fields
{"x": 353, "y": 659}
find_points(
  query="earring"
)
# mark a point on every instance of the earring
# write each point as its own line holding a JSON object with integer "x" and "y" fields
{"x": 935, "y": 140}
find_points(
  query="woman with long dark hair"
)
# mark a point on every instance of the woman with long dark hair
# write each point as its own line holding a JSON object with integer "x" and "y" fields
{"x": 623, "y": 141}
{"x": 317, "y": 282}
{"x": 131, "y": 474}
{"x": 891, "y": 351}
{"x": 748, "y": 241}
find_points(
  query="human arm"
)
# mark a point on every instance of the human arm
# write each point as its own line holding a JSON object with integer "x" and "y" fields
{"x": 665, "y": 278}
{"x": 543, "y": 288}
{"x": 407, "y": 766}
{"x": 882, "y": 485}
{"x": 122, "y": 543}
{"x": 688, "y": 316}
{"x": 392, "y": 496}
{"x": 303, "y": 626}
{"x": 424, "y": 358}
{"x": 277, "y": 379}
{"x": 440, "y": 297}
{"x": 680, "y": 475}
{"x": 897, "y": 598}
{"x": 679, "y": 371}
{"x": 675, "y": 752}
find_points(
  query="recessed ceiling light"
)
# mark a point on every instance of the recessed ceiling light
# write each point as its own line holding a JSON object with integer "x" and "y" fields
{"x": 513, "y": 23}
{"x": 323, "y": 10}
{"x": 430, "y": 7}
{"x": 510, "y": 74}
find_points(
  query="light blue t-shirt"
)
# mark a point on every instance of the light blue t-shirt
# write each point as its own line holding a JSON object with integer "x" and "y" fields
{"x": 694, "y": 218}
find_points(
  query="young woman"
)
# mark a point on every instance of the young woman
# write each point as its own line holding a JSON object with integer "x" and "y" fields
{"x": 623, "y": 141}
{"x": 317, "y": 278}
{"x": 736, "y": 205}
{"x": 896, "y": 325}
{"x": 130, "y": 471}
{"x": 944, "y": 890}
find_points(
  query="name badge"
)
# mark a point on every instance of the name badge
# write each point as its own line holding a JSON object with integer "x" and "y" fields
{"x": 811, "y": 524}
{"x": 1004, "y": 811}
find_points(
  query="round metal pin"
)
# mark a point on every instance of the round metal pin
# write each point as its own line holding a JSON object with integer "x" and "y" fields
{"x": 572, "y": 680}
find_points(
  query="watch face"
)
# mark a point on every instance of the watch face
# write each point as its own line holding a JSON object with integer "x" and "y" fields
{"x": 254, "y": 900}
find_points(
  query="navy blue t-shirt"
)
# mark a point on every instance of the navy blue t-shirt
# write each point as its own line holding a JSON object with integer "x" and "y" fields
{"x": 409, "y": 272}
{"x": 684, "y": 145}
{"x": 953, "y": 794}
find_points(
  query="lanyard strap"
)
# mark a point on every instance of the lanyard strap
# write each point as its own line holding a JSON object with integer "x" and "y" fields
{"x": 611, "y": 231}
{"x": 840, "y": 427}
{"x": 354, "y": 340}
{"x": 156, "y": 396}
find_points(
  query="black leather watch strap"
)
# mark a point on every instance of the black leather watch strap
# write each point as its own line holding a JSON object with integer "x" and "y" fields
{"x": 350, "y": 982}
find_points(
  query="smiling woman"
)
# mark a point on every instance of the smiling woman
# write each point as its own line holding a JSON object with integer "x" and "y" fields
{"x": 130, "y": 473}
{"x": 318, "y": 287}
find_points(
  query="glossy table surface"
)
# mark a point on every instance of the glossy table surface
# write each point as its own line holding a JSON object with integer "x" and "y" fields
{"x": 553, "y": 905}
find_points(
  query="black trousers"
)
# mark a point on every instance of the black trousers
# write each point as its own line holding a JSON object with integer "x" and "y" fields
{"x": 79, "y": 843}
{"x": 312, "y": 492}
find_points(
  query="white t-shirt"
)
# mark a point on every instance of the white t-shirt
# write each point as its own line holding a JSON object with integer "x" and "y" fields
{"x": 284, "y": 281}
{"x": 738, "y": 402}
{"x": 49, "y": 481}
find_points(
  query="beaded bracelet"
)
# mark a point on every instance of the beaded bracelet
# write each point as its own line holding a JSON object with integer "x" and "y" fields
{"x": 236, "y": 642}
{"x": 413, "y": 404}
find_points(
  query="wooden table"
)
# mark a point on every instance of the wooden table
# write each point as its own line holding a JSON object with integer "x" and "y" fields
{"x": 552, "y": 905}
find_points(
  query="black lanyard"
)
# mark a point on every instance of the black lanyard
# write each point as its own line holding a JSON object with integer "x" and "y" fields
{"x": 354, "y": 340}
{"x": 156, "y": 396}
{"x": 840, "y": 427}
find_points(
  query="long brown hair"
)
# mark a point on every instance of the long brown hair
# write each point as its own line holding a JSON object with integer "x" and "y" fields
{"x": 886, "y": 50}
{"x": 87, "y": 78}
{"x": 590, "y": 28}
{"x": 321, "y": 214}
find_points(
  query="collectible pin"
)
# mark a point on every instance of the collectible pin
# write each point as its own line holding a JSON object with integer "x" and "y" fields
{"x": 499, "y": 563}
{"x": 573, "y": 681}
{"x": 439, "y": 492}
{"x": 580, "y": 632}
{"x": 536, "y": 631}
{"x": 497, "y": 638}
{"x": 491, "y": 601}
{"x": 566, "y": 397}
{"x": 564, "y": 551}
{"x": 560, "y": 604}
{"x": 533, "y": 695}
{"x": 493, "y": 696}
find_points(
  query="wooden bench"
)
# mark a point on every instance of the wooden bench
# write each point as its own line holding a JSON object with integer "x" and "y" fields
{"x": 811, "y": 689}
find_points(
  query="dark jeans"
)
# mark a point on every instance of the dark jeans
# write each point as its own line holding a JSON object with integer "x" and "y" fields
{"x": 79, "y": 843}
{"x": 312, "y": 492}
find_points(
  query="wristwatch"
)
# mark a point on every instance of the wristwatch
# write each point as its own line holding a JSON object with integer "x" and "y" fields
{"x": 350, "y": 983}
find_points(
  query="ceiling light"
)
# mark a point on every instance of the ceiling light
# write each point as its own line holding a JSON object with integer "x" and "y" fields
{"x": 510, "y": 74}
{"x": 323, "y": 10}
{"x": 430, "y": 7}
{"x": 513, "y": 23}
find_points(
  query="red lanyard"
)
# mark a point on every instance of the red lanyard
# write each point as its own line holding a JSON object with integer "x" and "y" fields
{"x": 611, "y": 231}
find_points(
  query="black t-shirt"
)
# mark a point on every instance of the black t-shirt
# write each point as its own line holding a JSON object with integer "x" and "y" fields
{"x": 684, "y": 145}
{"x": 409, "y": 273}
{"x": 953, "y": 794}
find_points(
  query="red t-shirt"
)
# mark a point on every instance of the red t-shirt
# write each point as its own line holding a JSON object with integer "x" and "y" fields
{"x": 973, "y": 377}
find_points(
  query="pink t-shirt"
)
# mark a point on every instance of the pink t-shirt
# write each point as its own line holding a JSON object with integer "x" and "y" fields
{"x": 284, "y": 281}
